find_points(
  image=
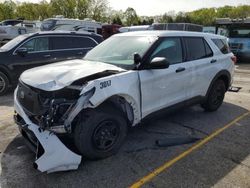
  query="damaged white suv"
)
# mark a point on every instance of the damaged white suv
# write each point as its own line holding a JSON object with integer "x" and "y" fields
{"x": 84, "y": 107}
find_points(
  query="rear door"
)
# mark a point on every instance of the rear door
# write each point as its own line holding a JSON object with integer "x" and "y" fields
{"x": 161, "y": 88}
{"x": 201, "y": 55}
{"x": 71, "y": 47}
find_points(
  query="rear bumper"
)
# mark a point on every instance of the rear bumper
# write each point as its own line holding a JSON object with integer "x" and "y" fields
{"x": 51, "y": 154}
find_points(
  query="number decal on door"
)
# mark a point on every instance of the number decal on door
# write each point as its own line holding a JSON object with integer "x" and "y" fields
{"x": 105, "y": 84}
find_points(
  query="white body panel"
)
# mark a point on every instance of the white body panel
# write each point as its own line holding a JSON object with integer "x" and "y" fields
{"x": 204, "y": 71}
{"x": 124, "y": 84}
{"x": 164, "y": 87}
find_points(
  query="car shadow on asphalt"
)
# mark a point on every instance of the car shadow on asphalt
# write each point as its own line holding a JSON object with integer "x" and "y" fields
{"x": 138, "y": 156}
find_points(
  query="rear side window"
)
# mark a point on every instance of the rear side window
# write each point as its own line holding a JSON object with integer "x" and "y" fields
{"x": 222, "y": 45}
{"x": 209, "y": 52}
{"x": 60, "y": 43}
{"x": 83, "y": 42}
{"x": 197, "y": 48}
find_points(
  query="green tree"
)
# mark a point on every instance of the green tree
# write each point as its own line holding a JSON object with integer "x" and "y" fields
{"x": 67, "y": 8}
{"x": 147, "y": 21}
{"x": 27, "y": 11}
{"x": 44, "y": 10}
{"x": 182, "y": 18}
{"x": 203, "y": 16}
{"x": 131, "y": 17}
{"x": 7, "y": 9}
{"x": 98, "y": 10}
{"x": 166, "y": 19}
{"x": 117, "y": 20}
{"x": 224, "y": 12}
{"x": 240, "y": 12}
{"x": 82, "y": 9}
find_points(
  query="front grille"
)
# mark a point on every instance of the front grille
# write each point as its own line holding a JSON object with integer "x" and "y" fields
{"x": 29, "y": 99}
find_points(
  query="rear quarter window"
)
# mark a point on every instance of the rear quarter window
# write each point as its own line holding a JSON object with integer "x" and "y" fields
{"x": 84, "y": 42}
{"x": 222, "y": 45}
{"x": 72, "y": 42}
{"x": 197, "y": 48}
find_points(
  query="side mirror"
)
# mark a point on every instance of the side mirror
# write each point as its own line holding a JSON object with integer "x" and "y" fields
{"x": 22, "y": 51}
{"x": 137, "y": 58}
{"x": 159, "y": 63}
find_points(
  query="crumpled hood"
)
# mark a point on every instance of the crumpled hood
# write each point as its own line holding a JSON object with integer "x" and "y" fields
{"x": 59, "y": 75}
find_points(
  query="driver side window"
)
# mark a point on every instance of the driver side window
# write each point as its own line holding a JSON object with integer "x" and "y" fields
{"x": 37, "y": 44}
{"x": 169, "y": 48}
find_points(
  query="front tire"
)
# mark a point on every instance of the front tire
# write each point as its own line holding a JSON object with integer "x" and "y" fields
{"x": 100, "y": 133}
{"x": 4, "y": 83}
{"x": 215, "y": 96}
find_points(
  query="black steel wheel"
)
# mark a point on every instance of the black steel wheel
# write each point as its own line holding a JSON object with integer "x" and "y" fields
{"x": 105, "y": 135}
{"x": 4, "y": 83}
{"x": 215, "y": 96}
{"x": 100, "y": 133}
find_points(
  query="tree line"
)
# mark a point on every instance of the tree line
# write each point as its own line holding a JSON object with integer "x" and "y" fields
{"x": 99, "y": 10}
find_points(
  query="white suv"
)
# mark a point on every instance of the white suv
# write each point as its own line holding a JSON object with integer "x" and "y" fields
{"x": 119, "y": 83}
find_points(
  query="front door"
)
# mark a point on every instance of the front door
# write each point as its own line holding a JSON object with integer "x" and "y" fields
{"x": 38, "y": 54}
{"x": 161, "y": 88}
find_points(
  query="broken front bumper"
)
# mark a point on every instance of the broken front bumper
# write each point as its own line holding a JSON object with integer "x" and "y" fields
{"x": 56, "y": 156}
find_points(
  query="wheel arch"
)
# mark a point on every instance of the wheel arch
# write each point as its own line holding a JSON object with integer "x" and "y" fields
{"x": 126, "y": 104}
{"x": 223, "y": 75}
{"x": 5, "y": 71}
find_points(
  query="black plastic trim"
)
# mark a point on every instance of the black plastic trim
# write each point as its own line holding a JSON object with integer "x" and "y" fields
{"x": 173, "y": 108}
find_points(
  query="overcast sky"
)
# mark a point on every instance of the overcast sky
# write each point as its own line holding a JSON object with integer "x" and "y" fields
{"x": 156, "y": 7}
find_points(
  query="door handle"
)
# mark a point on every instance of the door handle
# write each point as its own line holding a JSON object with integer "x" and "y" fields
{"x": 47, "y": 56}
{"x": 180, "y": 69}
{"x": 213, "y": 61}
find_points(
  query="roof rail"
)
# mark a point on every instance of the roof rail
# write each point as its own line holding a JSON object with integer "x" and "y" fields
{"x": 221, "y": 21}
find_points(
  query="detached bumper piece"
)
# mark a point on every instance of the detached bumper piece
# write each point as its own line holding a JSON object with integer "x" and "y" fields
{"x": 51, "y": 154}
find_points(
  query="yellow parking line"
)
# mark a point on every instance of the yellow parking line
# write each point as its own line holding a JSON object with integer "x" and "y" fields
{"x": 168, "y": 164}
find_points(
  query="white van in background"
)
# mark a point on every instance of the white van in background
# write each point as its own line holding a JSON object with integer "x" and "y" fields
{"x": 61, "y": 23}
{"x": 9, "y": 29}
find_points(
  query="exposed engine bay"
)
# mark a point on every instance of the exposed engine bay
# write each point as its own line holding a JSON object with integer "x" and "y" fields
{"x": 55, "y": 110}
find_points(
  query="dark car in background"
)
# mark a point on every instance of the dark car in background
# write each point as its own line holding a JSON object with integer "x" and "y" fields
{"x": 32, "y": 50}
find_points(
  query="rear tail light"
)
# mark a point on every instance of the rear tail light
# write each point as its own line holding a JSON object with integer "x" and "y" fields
{"x": 234, "y": 59}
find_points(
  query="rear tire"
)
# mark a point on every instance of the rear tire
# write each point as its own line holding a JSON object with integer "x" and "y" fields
{"x": 100, "y": 132}
{"x": 215, "y": 96}
{"x": 4, "y": 83}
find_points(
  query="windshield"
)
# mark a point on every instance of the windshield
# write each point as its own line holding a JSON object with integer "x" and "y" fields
{"x": 235, "y": 30}
{"x": 239, "y": 32}
{"x": 11, "y": 44}
{"x": 119, "y": 50}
